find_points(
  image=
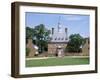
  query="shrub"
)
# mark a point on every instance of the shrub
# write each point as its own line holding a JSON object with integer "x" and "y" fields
{"x": 27, "y": 51}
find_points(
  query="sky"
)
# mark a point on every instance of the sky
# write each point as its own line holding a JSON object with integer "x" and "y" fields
{"x": 76, "y": 24}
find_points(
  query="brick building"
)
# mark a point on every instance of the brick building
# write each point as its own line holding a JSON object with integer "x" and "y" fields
{"x": 85, "y": 47}
{"x": 58, "y": 40}
{"x": 33, "y": 49}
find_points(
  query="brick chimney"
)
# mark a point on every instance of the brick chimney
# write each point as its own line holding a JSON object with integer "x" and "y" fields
{"x": 52, "y": 30}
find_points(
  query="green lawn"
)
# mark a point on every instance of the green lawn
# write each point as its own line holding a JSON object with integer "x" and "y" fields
{"x": 57, "y": 61}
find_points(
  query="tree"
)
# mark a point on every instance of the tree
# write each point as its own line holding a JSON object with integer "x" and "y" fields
{"x": 41, "y": 36}
{"x": 27, "y": 51}
{"x": 29, "y": 33}
{"x": 75, "y": 42}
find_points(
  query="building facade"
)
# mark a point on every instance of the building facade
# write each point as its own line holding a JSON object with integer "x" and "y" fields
{"x": 58, "y": 40}
{"x": 33, "y": 49}
{"x": 86, "y": 47}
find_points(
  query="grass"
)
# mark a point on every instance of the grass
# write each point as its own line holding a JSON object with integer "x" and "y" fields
{"x": 57, "y": 61}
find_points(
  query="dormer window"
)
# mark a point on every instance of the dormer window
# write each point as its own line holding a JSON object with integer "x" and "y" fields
{"x": 50, "y": 38}
{"x": 65, "y": 38}
{"x": 62, "y": 38}
{"x": 58, "y": 38}
{"x": 55, "y": 38}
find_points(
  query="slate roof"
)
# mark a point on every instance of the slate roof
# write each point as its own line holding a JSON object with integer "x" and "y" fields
{"x": 59, "y": 35}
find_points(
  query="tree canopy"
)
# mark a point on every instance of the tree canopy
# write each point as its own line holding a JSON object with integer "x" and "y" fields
{"x": 29, "y": 32}
{"x": 39, "y": 34}
{"x": 75, "y": 42}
